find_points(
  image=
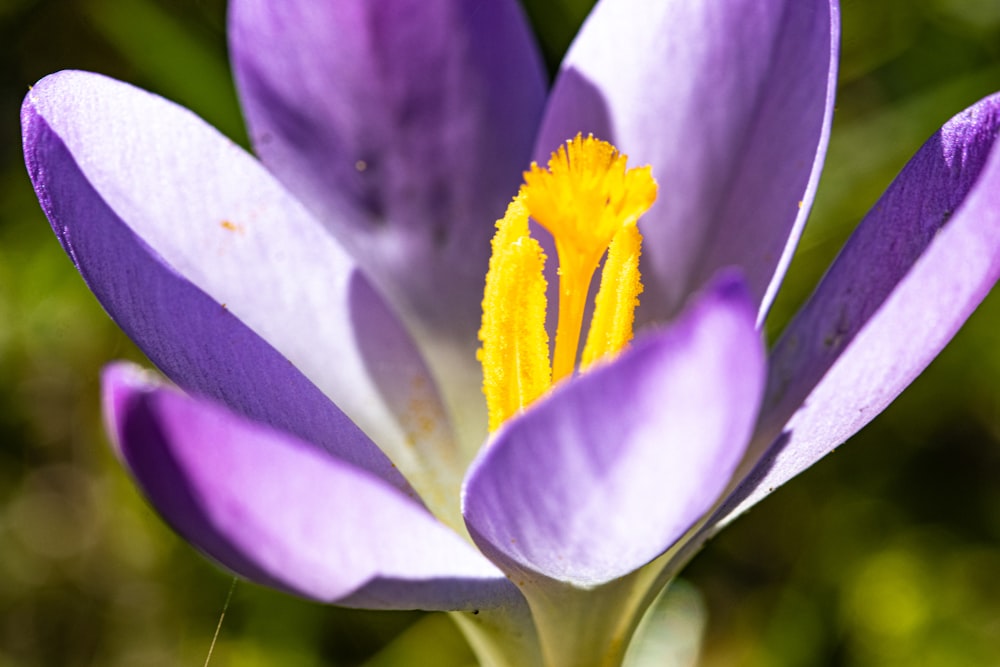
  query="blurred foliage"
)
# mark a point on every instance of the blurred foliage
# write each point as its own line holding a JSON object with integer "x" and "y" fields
{"x": 886, "y": 553}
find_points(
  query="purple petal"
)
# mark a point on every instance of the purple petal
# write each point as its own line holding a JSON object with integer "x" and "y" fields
{"x": 404, "y": 125}
{"x": 277, "y": 511}
{"x": 226, "y": 282}
{"x": 731, "y": 103}
{"x": 914, "y": 270}
{"x": 608, "y": 471}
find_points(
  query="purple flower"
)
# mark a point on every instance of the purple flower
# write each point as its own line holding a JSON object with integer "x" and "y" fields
{"x": 319, "y": 309}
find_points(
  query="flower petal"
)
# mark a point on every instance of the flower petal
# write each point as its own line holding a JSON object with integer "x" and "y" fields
{"x": 277, "y": 511}
{"x": 731, "y": 104}
{"x": 404, "y": 126}
{"x": 222, "y": 278}
{"x": 608, "y": 471}
{"x": 914, "y": 270}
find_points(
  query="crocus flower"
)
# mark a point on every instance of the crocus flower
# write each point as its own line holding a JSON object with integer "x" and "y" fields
{"x": 319, "y": 310}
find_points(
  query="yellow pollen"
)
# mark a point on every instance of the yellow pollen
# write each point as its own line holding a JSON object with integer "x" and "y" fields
{"x": 515, "y": 350}
{"x": 617, "y": 298}
{"x": 589, "y": 202}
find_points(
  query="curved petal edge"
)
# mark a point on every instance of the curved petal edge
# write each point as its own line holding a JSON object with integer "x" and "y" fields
{"x": 404, "y": 126}
{"x": 275, "y": 510}
{"x": 605, "y": 473}
{"x": 223, "y": 279}
{"x": 916, "y": 267}
{"x": 731, "y": 104}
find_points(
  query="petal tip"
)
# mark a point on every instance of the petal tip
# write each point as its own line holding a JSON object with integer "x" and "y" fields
{"x": 123, "y": 384}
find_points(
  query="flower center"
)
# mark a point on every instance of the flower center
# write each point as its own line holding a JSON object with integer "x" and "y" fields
{"x": 590, "y": 203}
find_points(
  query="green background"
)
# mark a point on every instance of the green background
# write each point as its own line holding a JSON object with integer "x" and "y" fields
{"x": 886, "y": 553}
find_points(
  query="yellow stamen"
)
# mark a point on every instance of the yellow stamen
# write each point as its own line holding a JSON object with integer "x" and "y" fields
{"x": 614, "y": 310}
{"x": 515, "y": 351}
{"x": 590, "y": 203}
{"x": 584, "y": 197}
